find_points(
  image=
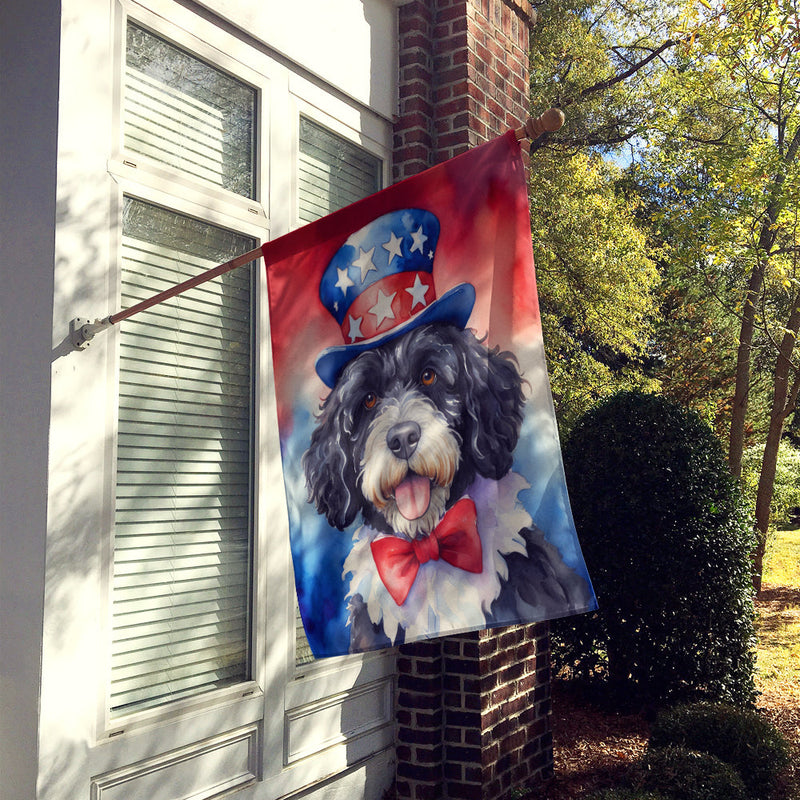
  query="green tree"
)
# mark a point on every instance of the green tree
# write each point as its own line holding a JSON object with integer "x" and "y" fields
{"x": 704, "y": 98}
{"x": 724, "y": 151}
{"x": 786, "y": 491}
{"x": 596, "y": 281}
{"x": 597, "y": 278}
{"x": 598, "y": 61}
{"x": 695, "y": 342}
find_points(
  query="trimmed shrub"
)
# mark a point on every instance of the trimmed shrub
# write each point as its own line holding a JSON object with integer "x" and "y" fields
{"x": 741, "y": 738}
{"x": 683, "y": 774}
{"x": 667, "y": 539}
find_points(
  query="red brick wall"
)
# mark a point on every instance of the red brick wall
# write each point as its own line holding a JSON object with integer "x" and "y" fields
{"x": 473, "y": 714}
{"x": 463, "y": 77}
{"x": 472, "y": 711}
{"x": 508, "y": 672}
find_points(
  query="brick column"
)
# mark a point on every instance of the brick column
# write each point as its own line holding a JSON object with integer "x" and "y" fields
{"x": 473, "y": 711}
{"x": 420, "y": 720}
{"x": 463, "y": 77}
{"x": 497, "y": 711}
{"x": 473, "y": 714}
{"x": 413, "y": 125}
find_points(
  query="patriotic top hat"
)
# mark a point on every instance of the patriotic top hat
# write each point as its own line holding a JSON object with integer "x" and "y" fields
{"x": 379, "y": 285}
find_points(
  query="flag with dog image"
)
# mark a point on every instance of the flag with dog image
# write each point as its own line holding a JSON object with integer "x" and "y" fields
{"x": 420, "y": 454}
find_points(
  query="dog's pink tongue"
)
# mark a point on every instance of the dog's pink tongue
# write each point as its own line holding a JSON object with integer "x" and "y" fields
{"x": 413, "y": 495}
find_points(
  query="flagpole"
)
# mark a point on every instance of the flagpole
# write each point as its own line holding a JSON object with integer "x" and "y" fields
{"x": 82, "y": 331}
{"x": 179, "y": 288}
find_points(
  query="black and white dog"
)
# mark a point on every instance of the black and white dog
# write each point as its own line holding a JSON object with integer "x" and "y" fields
{"x": 416, "y": 440}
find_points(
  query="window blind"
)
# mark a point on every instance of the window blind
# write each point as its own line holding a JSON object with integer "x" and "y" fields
{"x": 332, "y": 173}
{"x": 182, "y": 541}
{"x": 187, "y": 114}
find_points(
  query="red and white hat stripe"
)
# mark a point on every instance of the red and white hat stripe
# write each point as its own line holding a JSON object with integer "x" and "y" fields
{"x": 386, "y": 304}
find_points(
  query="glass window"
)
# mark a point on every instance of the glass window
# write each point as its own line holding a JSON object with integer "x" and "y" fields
{"x": 183, "y": 532}
{"x": 187, "y": 114}
{"x": 333, "y": 172}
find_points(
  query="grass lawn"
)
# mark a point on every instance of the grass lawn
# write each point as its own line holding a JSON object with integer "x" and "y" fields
{"x": 778, "y": 629}
{"x": 778, "y": 622}
{"x": 783, "y": 559}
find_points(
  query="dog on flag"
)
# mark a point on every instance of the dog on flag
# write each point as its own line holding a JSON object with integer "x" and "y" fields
{"x": 416, "y": 440}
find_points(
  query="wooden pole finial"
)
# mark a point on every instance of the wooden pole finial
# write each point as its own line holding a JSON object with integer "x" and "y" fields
{"x": 534, "y": 127}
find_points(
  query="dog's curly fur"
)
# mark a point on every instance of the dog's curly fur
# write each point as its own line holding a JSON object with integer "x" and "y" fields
{"x": 464, "y": 403}
{"x": 476, "y": 396}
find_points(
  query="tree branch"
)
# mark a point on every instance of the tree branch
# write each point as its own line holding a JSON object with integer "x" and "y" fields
{"x": 720, "y": 140}
{"x": 578, "y": 143}
{"x": 601, "y": 86}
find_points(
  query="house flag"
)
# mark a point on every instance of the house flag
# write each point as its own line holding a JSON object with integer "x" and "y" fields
{"x": 421, "y": 461}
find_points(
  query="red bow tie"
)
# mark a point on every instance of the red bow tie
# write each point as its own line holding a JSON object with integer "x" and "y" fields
{"x": 455, "y": 539}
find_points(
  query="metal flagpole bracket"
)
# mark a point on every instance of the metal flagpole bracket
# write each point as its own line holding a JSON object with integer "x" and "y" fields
{"x": 82, "y": 330}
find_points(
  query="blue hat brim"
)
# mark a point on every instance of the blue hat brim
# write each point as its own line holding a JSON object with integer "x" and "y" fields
{"x": 454, "y": 306}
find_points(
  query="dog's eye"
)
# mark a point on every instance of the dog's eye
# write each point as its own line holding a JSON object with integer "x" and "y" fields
{"x": 428, "y": 377}
{"x": 370, "y": 400}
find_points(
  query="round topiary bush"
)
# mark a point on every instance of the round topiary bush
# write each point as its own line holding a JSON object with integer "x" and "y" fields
{"x": 683, "y": 774}
{"x": 667, "y": 542}
{"x": 741, "y": 738}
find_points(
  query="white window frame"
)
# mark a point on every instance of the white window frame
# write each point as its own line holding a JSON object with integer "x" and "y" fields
{"x": 137, "y": 177}
{"x": 315, "y": 687}
{"x": 157, "y": 195}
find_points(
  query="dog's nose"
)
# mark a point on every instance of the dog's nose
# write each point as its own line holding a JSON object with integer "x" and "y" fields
{"x": 403, "y": 439}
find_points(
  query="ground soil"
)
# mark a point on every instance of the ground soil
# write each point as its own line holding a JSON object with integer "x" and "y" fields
{"x": 594, "y": 747}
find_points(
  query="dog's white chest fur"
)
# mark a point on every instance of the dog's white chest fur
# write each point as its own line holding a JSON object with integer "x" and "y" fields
{"x": 444, "y": 595}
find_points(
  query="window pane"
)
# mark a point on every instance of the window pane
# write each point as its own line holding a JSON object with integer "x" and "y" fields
{"x": 182, "y": 542}
{"x": 185, "y": 113}
{"x": 333, "y": 173}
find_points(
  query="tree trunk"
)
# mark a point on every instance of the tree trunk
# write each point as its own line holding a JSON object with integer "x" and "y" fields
{"x": 766, "y": 240}
{"x": 742, "y": 388}
{"x": 784, "y": 398}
